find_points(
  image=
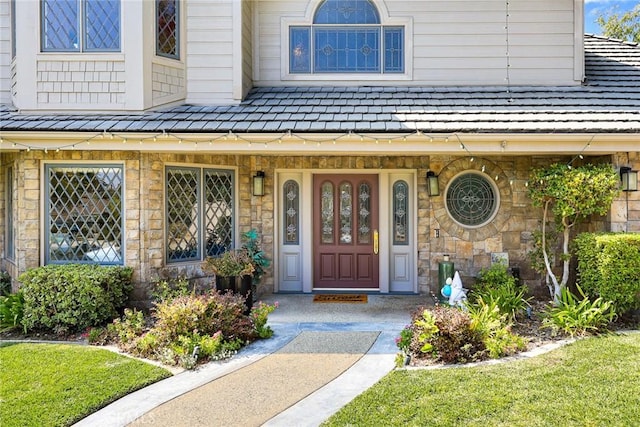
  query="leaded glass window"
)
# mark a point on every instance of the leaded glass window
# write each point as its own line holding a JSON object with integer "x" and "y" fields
{"x": 400, "y": 210}
{"x": 471, "y": 199}
{"x": 291, "y": 203}
{"x": 80, "y": 25}
{"x": 9, "y": 235}
{"x": 167, "y": 28}
{"x": 346, "y": 37}
{"x": 84, "y": 214}
{"x": 364, "y": 213}
{"x": 346, "y": 210}
{"x": 327, "y": 213}
{"x": 199, "y": 212}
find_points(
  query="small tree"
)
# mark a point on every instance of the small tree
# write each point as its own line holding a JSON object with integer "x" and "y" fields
{"x": 571, "y": 194}
{"x": 623, "y": 27}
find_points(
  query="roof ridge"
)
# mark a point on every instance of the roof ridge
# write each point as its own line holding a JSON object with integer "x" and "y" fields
{"x": 611, "y": 39}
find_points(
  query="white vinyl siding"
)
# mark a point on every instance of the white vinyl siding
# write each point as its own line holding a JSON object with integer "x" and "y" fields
{"x": 454, "y": 42}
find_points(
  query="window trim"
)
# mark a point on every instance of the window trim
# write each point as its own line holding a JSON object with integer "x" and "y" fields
{"x": 385, "y": 21}
{"x": 9, "y": 235}
{"x": 82, "y": 33}
{"x": 202, "y": 232}
{"x": 45, "y": 214}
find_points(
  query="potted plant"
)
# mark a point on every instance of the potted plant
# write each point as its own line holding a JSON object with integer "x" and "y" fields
{"x": 234, "y": 271}
{"x": 251, "y": 243}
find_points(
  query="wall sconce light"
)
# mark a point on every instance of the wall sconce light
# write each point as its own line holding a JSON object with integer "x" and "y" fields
{"x": 629, "y": 179}
{"x": 258, "y": 183}
{"x": 432, "y": 184}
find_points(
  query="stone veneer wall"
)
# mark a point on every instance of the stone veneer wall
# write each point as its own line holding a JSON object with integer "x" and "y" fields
{"x": 511, "y": 232}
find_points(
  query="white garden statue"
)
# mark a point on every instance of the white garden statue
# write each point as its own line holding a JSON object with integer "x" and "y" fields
{"x": 458, "y": 293}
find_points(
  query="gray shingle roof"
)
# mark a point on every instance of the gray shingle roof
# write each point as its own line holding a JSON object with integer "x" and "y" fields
{"x": 609, "y": 101}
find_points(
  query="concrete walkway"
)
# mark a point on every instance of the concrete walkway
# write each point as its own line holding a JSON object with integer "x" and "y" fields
{"x": 331, "y": 352}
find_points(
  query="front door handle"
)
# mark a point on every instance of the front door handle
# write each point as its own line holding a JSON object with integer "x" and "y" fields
{"x": 376, "y": 242}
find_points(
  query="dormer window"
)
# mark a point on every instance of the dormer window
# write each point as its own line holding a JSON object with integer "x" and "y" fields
{"x": 346, "y": 37}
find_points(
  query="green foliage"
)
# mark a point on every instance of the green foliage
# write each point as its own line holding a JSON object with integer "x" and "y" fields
{"x": 493, "y": 326}
{"x": 576, "y": 192}
{"x": 496, "y": 286}
{"x": 230, "y": 264}
{"x": 68, "y": 298}
{"x": 571, "y": 194}
{"x": 579, "y": 317}
{"x": 5, "y": 283}
{"x": 259, "y": 315}
{"x": 623, "y": 27}
{"x": 189, "y": 329}
{"x": 251, "y": 244}
{"x": 11, "y": 311}
{"x": 166, "y": 290}
{"x": 609, "y": 267}
{"x": 445, "y": 334}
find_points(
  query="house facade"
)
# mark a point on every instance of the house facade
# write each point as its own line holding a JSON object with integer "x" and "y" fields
{"x": 364, "y": 140}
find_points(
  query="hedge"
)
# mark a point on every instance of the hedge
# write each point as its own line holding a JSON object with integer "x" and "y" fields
{"x": 73, "y": 297}
{"x": 609, "y": 267}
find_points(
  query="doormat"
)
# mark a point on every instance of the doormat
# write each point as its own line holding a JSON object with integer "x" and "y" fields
{"x": 345, "y": 298}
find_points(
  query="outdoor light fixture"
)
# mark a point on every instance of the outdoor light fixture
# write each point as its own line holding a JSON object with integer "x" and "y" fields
{"x": 258, "y": 184}
{"x": 629, "y": 179}
{"x": 432, "y": 184}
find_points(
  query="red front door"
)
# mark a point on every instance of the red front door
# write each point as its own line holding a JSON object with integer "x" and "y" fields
{"x": 345, "y": 232}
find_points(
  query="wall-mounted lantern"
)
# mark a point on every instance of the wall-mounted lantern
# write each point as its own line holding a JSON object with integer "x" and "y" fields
{"x": 432, "y": 184}
{"x": 258, "y": 183}
{"x": 629, "y": 179}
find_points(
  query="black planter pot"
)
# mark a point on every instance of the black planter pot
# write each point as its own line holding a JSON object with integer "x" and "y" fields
{"x": 239, "y": 285}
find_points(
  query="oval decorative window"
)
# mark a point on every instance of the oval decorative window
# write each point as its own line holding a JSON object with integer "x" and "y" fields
{"x": 472, "y": 200}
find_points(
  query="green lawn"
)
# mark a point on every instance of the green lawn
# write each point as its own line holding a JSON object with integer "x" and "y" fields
{"x": 592, "y": 382}
{"x": 59, "y": 384}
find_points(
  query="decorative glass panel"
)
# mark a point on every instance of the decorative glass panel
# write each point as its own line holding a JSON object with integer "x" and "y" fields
{"x": 291, "y": 192}
{"x": 347, "y": 50}
{"x": 327, "y": 213}
{"x": 393, "y": 49}
{"x": 10, "y": 242}
{"x": 167, "y": 28}
{"x": 300, "y": 47}
{"x": 346, "y": 213}
{"x": 84, "y": 214}
{"x": 364, "y": 214}
{"x": 183, "y": 222}
{"x": 347, "y": 12}
{"x": 218, "y": 211}
{"x": 60, "y": 25}
{"x": 400, "y": 208}
{"x": 102, "y": 25}
{"x": 471, "y": 200}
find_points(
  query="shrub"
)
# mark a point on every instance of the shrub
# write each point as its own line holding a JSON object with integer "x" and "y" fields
{"x": 445, "y": 334}
{"x": 496, "y": 286}
{"x": 575, "y": 317}
{"x": 495, "y": 330}
{"x": 68, "y": 298}
{"x": 259, "y": 315}
{"x": 165, "y": 290}
{"x": 609, "y": 267}
{"x": 11, "y": 310}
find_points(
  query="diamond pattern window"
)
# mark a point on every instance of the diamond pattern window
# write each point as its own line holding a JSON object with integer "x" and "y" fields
{"x": 346, "y": 37}
{"x": 199, "y": 213}
{"x": 84, "y": 214}
{"x": 80, "y": 25}
{"x": 167, "y": 28}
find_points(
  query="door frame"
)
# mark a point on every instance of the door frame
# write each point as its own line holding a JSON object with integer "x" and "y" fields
{"x": 304, "y": 177}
